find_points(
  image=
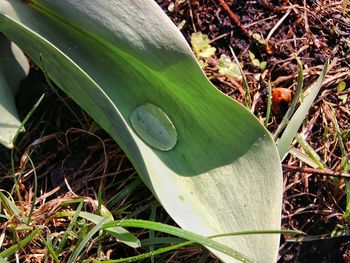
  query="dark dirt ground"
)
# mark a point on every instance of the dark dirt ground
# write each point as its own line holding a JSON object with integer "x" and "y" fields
{"x": 63, "y": 147}
{"x": 313, "y": 31}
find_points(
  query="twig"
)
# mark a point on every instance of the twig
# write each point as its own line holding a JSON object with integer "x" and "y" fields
{"x": 330, "y": 80}
{"x": 235, "y": 18}
{"x": 218, "y": 37}
{"x": 268, "y": 49}
{"x": 260, "y": 21}
{"x": 191, "y": 14}
{"x": 267, "y": 5}
{"x": 315, "y": 171}
{"x": 307, "y": 27}
{"x": 277, "y": 25}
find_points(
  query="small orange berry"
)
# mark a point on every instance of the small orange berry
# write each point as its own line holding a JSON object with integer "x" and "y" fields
{"x": 281, "y": 95}
{"x": 281, "y": 98}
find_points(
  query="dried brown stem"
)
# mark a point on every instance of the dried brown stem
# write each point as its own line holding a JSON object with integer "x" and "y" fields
{"x": 269, "y": 6}
{"x": 315, "y": 171}
{"x": 234, "y": 17}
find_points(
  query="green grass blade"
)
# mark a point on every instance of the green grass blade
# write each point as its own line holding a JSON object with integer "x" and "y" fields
{"x": 283, "y": 144}
{"x": 303, "y": 157}
{"x": 160, "y": 241}
{"x": 205, "y": 241}
{"x": 120, "y": 233}
{"x": 311, "y": 152}
{"x": 248, "y": 99}
{"x": 115, "y": 200}
{"x": 180, "y": 233}
{"x": 9, "y": 205}
{"x": 20, "y": 128}
{"x": 48, "y": 245}
{"x": 269, "y": 103}
{"x": 35, "y": 191}
{"x": 21, "y": 244}
{"x": 345, "y": 164}
{"x": 296, "y": 98}
{"x": 149, "y": 254}
{"x": 2, "y": 260}
{"x": 70, "y": 227}
{"x": 151, "y": 234}
{"x": 78, "y": 249}
{"x": 30, "y": 113}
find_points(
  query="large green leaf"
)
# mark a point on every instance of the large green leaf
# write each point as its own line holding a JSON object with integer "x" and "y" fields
{"x": 13, "y": 67}
{"x": 222, "y": 175}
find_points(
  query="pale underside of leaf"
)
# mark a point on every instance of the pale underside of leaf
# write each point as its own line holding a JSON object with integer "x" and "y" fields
{"x": 13, "y": 68}
{"x": 223, "y": 175}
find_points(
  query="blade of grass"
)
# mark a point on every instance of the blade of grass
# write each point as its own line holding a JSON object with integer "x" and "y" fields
{"x": 120, "y": 233}
{"x": 269, "y": 103}
{"x": 311, "y": 152}
{"x": 3, "y": 234}
{"x": 339, "y": 231}
{"x": 303, "y": 157}
{"x": 21, "y": 244}
{"x": 9, "y": 205}
{"x": 344, "y": 166}
{"x": 104, "y": 212}
{"x": 48, "y": 245}
{"x": 182, "y": 244}
{"x": 124, "y": 192}
{"x": 30, "y": 113}
{"x": 247, "y": 97}
{"x": 99, "y": 203}
{"x": 148, "y": 205}
{"x": 81, "y": 233}
{"x": 161, "y": 241}
{"x": 149, "y": 254}
{"x": 35, "y": 191}
{"x": 206, "y": 241}
{"x": 204, "y": 257}
{"x": 70, "y": 227}
{"x": 23, "y": 228}
{"x": 78, "y": 249}
{"x": 297, "y": 95}
{"x": 283, "y": 144}
{"x": 151, "y": 232}
{"x": 2, "y": 260}
{"x": 179, "y": 233}
{"x": 36, "y": 105}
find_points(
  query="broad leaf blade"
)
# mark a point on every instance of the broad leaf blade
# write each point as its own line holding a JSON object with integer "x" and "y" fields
{"x": 13, "y": 67}
{"x": 223, "y": 175}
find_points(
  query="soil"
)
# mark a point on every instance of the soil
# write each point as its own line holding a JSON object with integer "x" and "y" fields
{"x": 314, "y": 31}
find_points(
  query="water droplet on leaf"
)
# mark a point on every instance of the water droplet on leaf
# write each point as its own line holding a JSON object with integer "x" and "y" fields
{"x": 154, "y": 127}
